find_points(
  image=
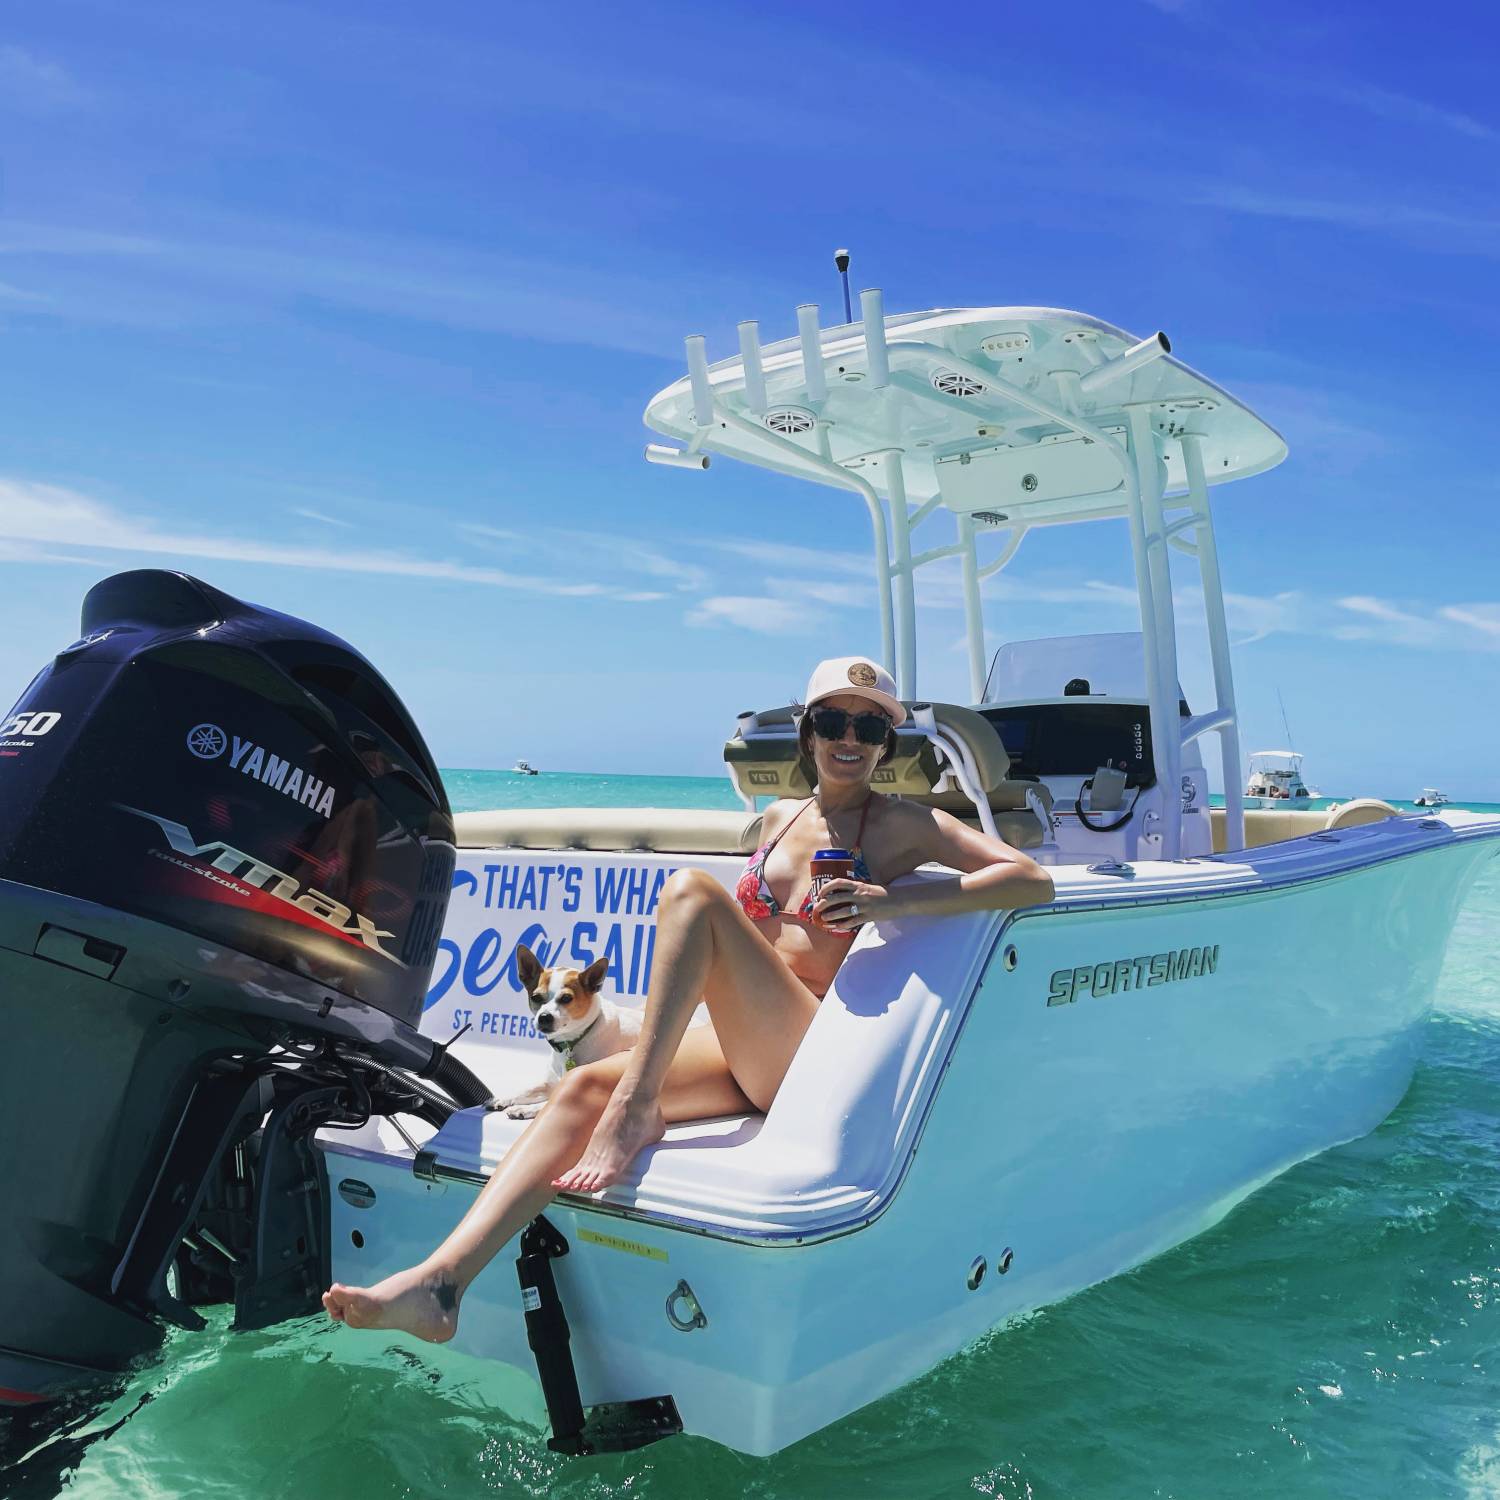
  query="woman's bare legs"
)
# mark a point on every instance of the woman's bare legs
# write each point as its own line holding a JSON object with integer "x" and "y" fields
{"x": 423, "y": 1299}
{"x": 706, "y": 949}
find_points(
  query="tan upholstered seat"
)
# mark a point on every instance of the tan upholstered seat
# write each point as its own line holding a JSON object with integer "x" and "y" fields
{"x": 764, "y": 758}
{"x": 1360, "y": 811}
{"x": 765, "y": 761}
{"x": 1019, "y": 829}
{"x": 668, "y": 830}
{"x": 1274, "y": 825}
{"x": 991, "y": 760}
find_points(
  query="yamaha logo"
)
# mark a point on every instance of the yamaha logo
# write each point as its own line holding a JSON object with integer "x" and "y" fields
{"x": 207, "y": 741}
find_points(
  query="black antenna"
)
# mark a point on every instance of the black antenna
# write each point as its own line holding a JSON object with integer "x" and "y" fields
{"x": 841, "y": 260}
{"x": 1287, "y": 727}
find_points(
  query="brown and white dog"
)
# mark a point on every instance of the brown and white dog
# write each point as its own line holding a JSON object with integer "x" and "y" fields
{"x": 575, "y": 1021}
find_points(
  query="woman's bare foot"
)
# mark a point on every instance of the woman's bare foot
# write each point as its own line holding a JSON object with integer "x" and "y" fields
{"x": 419, "y": 1301}
{"x": 625, "y": 1129}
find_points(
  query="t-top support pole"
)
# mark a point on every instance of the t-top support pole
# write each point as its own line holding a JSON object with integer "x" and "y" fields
{"x": 973, "y": 608}
{"x": 1148, "y": 545}
{"x": 837, "y": 475}
{"x": 1218, "y": 641}
{"x": 906, "y": 594}
{"x": 707, "y": 410}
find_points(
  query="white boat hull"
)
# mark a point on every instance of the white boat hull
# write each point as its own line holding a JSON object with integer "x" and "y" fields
{"x": 963, "y": 1117}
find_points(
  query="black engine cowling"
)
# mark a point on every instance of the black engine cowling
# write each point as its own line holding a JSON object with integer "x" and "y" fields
{"x": 237, "y": 774}
{"x": 225, "y": 859}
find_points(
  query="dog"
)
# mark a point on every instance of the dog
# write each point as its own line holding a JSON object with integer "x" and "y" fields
{"x": 575, "y": 1020}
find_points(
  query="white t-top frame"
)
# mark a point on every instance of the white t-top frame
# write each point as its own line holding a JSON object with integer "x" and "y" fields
{"x": 939, "y": 410}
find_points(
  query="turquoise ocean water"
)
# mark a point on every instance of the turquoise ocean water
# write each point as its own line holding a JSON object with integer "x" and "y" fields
{"x": 1337, "y": 1335}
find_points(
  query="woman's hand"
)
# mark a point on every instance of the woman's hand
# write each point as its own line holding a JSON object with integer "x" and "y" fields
{"x": 845, "y": 905}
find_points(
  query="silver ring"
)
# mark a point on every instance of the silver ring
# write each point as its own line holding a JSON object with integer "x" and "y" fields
{"x": 853, "y": 910}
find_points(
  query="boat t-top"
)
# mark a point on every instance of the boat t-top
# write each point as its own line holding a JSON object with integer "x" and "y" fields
{"x": 1276, "y": 779}
{"x": 263, "y": 983}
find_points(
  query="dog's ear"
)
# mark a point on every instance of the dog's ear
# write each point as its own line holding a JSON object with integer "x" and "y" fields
{"x": 592, "y": 978}
{"x": 528, "y": 969}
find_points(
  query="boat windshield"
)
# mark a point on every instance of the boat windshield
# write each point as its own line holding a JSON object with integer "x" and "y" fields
{"x": 1110, "y": 665}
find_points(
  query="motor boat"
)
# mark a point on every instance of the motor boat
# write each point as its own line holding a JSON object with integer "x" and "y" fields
{"x": 1432, "y": 797}
{"x": 522, "y": 768}
{"x": 1276, "y": 779}
{"x": 270, "y": 982}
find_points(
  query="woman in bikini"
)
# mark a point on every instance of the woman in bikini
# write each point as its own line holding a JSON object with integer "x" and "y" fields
{"x": 761, "y": 958}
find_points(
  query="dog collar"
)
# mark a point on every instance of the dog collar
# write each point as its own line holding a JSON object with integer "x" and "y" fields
{"x": 572, "y": 1042}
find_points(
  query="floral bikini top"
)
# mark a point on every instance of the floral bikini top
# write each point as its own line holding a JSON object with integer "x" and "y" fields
{"x": 754, "y": 895}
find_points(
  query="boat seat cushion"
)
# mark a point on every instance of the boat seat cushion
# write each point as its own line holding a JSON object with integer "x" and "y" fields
{"x": 1274, "y": 825}
{"x": 1017, "y": 827}
{"x": 1008, "y": 797}
{"x": 667, "y": 830}
{"x": 835, "y": 1143}
{"x": 981, "y": 739}
{"x": 1360, "y": 811}
{"x": 765, "y": 760}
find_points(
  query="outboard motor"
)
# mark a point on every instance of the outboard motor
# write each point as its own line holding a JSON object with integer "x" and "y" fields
{"x": 225, "y": 859}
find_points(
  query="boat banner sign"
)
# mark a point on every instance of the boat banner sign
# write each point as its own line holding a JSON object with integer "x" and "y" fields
{"x": 569, "y": 907}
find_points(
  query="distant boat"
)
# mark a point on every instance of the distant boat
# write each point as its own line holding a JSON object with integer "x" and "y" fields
{"x": 1431, "y": 797}
{"x": 1276, "y": 780}
{"x": 521, "y": 768}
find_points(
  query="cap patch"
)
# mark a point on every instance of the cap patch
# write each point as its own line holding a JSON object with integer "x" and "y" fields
{"x": 862, "y": 674}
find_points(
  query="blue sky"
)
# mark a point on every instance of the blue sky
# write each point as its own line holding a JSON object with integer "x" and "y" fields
{"x": 354, "y": 312}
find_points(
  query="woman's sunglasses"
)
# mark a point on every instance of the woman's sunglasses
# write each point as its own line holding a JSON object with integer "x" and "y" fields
{"x": 830, "y": 724}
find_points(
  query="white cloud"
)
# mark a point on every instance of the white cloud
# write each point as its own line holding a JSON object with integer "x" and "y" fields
{"x": 237, "y": 270}
{"x": 1260, "y": 615}
{"x": 1407, "y": 110}
{"x": 1484, "y": 618}
{"x": 49, "y": 516}
{"x": 317, "y": 515}
{"x": 1321, "y": 431}
{"x": 1437, "y": 228}
{"x": 1267, "y": 66}
{"x": 488, "y": 533}
{"x": 1388, "y": 623}
{"x": 760, "y": 613}
{"x": 1379, "y": 609}
{"x": 859, "y": 560}
{"x": 843, "y": 595}
{"x": 586, "y": 551}
{"x": 36, "y": 85}
{"x": 940, "y": 586}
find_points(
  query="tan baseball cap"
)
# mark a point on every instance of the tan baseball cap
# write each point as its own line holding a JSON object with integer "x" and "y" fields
{"x": 859, "y": 677}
